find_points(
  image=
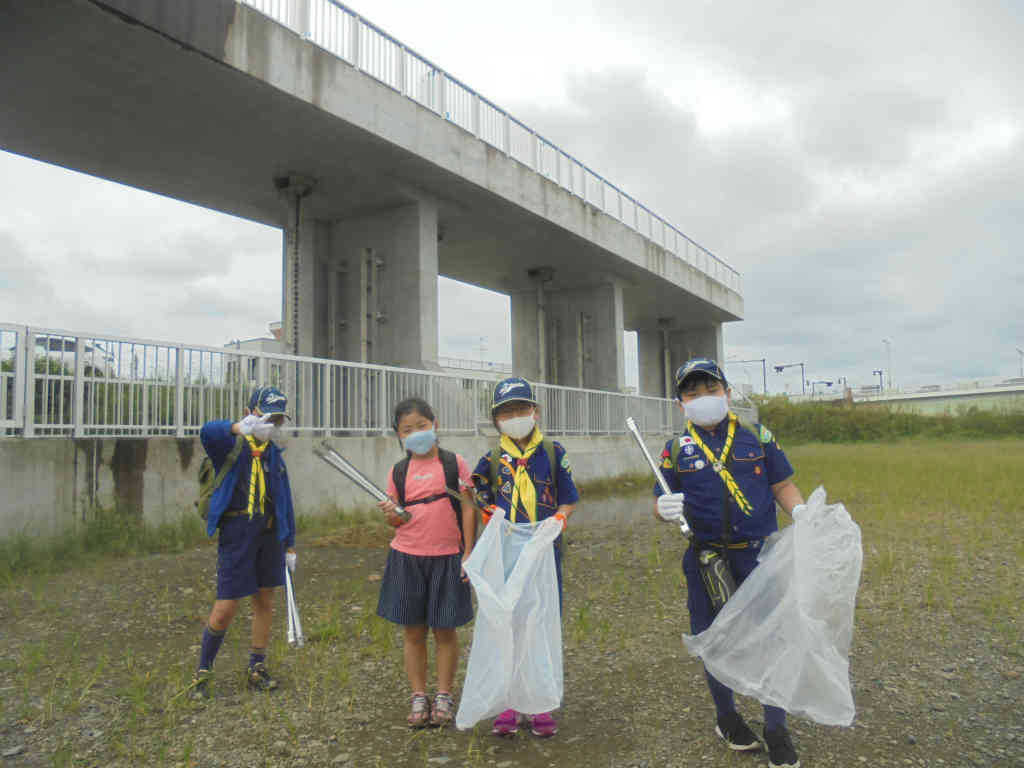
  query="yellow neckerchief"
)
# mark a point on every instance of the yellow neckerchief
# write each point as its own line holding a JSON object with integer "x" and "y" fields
{"x": 257, "y": 480}
{"x": 718, "y": 463}
{"x": 522, "y": 485}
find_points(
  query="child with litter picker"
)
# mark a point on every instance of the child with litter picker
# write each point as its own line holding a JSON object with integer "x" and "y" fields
{"x": 726, "y": 479}
{"x": 423, "y": 583}
{"x": 249, "y": 501}
{"x": 529, "y": 477}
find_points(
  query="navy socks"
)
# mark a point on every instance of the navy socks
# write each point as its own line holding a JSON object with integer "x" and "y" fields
{"x": 257, "y": 656}
{"x": 208, "y": 649}
{"x": 774, "y": 717}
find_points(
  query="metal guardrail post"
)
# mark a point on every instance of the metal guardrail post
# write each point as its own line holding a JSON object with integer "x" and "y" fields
{"x": 22, "y": 362}
{"x": 382, "y": 408}
{"x": 354, "y": 41}
{"x": 403, "y": 75}
{"x": 325, "y": 397}
{"x": 30, "y": 384}
{"x": 179, "y": 391}
{"x": 78, "y": 390}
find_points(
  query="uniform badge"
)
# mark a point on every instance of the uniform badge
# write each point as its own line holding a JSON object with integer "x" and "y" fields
{"x": 764, "y": 434}
{"x": 666, "y": 464}
{"x": 565, "y": 462}
{"x": 688, "y": 450}
{"x": 685, "y": 440}
{"x": 506, "y": 488}
{"x": 699, "y": 464}
{"x": 757, "y": 470}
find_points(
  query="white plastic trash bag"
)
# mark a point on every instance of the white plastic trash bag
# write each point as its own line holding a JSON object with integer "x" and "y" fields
{"x": 784, "y": 636}
{"x": 515, "y": 661}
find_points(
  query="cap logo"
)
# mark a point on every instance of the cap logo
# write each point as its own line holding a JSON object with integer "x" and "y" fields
{"x": 271, "y": 398}
{"x": 504, "y": 389}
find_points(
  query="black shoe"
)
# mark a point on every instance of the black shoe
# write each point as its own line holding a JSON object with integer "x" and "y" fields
{"x": 260, "y": 679}
{"x": 780, "y": 749}
{"x": 200, "y": 688}
{"x": 736, "y": 733}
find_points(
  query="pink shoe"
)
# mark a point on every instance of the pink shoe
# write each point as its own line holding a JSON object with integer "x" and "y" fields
{"x": 544, "y": 725}
{"x": 506, "y": 723}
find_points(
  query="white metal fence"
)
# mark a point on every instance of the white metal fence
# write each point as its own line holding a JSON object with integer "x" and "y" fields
{"x": 56, "y": 383}
{"x": 344, "y": 33}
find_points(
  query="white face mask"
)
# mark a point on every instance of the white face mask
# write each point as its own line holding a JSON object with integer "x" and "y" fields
{"x": 707, "y": 411}
{"x": 518, "y": 427}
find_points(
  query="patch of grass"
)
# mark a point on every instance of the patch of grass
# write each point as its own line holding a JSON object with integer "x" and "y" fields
{"x": 631, "y": 484}
{"x": 844, "y": 422}
{"x": 108, "y": 534}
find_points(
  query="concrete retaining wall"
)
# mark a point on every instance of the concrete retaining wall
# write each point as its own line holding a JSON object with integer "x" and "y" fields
{"x": 51, "y": 486}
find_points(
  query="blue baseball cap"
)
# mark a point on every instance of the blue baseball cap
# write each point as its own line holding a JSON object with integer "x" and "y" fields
{"x": 699, "y": 365}
{"x": 268, "y": 400}
{"x": 514, "y": 389}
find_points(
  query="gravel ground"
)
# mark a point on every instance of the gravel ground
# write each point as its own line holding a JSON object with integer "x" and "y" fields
{"x": 93, "y": 663}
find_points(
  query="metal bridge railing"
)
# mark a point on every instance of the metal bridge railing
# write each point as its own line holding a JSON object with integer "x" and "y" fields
{"x": 344, "y": 33}
{"x": 56, "y": 383}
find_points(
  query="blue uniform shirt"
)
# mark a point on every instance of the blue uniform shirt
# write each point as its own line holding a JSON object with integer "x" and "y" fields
{"x": 540, "y": 471}
{"x": 757, "y": 464}
{"x": 218, "y": 441}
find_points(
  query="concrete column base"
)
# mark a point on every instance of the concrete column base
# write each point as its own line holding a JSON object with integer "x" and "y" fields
{"x": 683, "y": 344}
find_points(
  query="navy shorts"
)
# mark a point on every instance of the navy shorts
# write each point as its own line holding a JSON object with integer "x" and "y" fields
{"x": 424, "y": 589}
{"x": 741, "y": 563}
{"x": 249, "y": 556}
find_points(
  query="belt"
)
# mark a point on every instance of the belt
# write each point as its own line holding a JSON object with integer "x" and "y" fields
{"x": 732, "y": 544}
{"x": 245, "y": 513}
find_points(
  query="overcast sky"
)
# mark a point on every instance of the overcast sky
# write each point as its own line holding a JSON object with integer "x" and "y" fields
{"x": 863, "y": 168}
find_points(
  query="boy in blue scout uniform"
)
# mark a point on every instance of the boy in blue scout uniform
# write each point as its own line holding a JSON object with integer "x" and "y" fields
{"x": 726, "y": 479}
{"x": 253, "y": 510}
{"x": 532, "y": 482}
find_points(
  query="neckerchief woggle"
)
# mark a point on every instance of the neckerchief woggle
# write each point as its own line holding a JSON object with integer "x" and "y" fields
{"x": 718, "y": 463}
{"x": 522, "y": 485}
{"x": 257, "y": 479}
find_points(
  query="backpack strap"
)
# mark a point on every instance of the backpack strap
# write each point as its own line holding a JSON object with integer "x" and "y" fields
{"x": 549, "y": 449}
{"x": 450, "y": 463}
{"x": 229, "y": 462}
{"x": 398, "y": 474}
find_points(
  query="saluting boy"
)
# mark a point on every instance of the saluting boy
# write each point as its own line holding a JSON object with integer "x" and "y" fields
{"x": 726, "y": 479}
{"x": 252, "y": 508}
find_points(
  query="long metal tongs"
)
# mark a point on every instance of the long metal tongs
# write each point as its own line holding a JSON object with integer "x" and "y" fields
{"x": 295, "y": 636}
{"x": 684, "y": 527}
{"x": 343, "y": 465}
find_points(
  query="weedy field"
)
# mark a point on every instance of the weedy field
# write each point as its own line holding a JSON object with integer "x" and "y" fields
{"x": 96, "y": 656}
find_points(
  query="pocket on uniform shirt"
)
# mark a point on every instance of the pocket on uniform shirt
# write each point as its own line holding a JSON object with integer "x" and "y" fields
{"x": 750, "y": 462}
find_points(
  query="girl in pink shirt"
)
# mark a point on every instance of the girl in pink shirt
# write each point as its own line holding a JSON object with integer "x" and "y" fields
{"x": 423, "y": 583}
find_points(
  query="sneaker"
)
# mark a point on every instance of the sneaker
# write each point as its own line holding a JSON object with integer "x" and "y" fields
{"x": 442, "y": 711}
{"x": 260, "y": 679}
{"x": 200, "y": 688}
{"x": 419, "y": 714}
{"x": 736, "y": 734}
{"x": 780, "y": 749}
{"x": 506, "y": 724}
{"x": 543, "y": 725}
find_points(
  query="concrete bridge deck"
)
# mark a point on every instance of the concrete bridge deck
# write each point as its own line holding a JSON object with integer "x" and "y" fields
{"x": 215, "y": 103}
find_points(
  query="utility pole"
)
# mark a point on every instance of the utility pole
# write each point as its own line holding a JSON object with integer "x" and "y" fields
{"x": 764, "y": 369}
{"x": 888, "y": 352}
{"x": 878, "y": 372}
{"x": 1021, "y": 353}
{"x": 803, "y": 381}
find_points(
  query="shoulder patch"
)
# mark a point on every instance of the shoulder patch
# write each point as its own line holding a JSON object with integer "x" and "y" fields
{"x": 565, "y": 463}
{"x": 764, "y": 435}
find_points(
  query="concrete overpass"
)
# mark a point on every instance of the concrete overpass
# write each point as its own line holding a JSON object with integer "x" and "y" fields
{"x": 382, "y": 171}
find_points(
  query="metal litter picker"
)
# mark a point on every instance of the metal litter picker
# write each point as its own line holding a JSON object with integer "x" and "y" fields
{"x": 343, "y": 465}
{"x": 684, "y": 527}
{"x": 295, "y": 637}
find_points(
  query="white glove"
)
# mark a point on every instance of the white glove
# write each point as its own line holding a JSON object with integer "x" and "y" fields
{"x": 248, "y": 424}
{"x": 264, "y": 431}
{"x": 670, "y": 507}
{"x": 289, "y": 560}
{"x": 798, "y": 511}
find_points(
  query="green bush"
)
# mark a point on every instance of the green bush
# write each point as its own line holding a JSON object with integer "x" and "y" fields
{"x": 844, "y": 422}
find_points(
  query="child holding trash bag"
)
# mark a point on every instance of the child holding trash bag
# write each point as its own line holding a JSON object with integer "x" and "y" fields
{"x": 423, "y": 582}
{"x": 530, "y": 477}
{"x": 726, "y": 479}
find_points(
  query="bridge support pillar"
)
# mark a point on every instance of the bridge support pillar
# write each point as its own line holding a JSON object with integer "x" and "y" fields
{"x": 381, "y": 293}
{"x": 583, "y": 337}
{"x": 662, "y": 351}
